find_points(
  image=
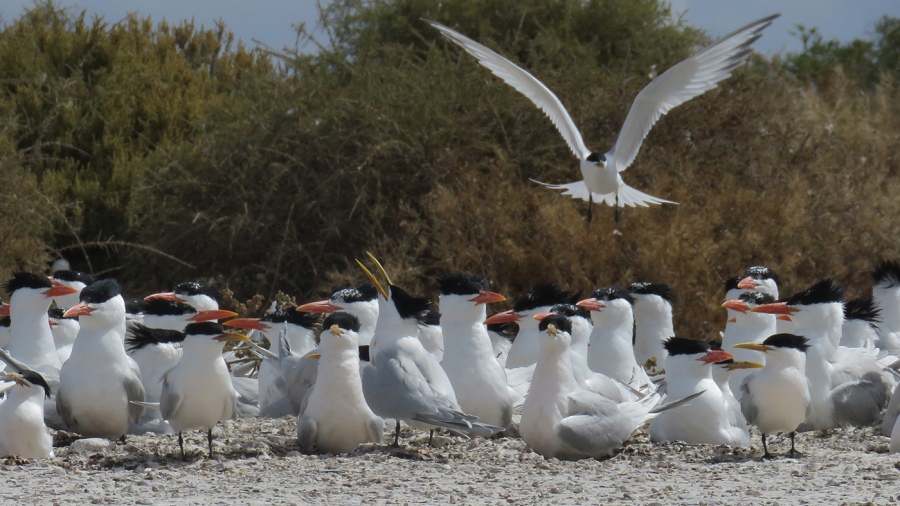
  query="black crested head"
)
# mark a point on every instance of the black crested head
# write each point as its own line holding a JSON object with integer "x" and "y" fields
{"x": 757, "y": 298}
{"x": 661, "y": 289}
{"x": 759, "y": 272}
{"x": 36, "y": 379}
{"x": 862, "y": 308}
{"x": 732, "y": 283}
{"x": 140, "y": 336}
{"x": 291, "y": 315}
{"x": 685, "y": 346}
{"x": 73, "y": 276}
{"x": 134, "y": 306}
{"x": 345, "y": 321}
{"x": 362, "y": 293}
{"x": 886, "y": 274}
{"x": 787, "y": 341}
{"x": 715, "y": 344}
{"x": 162, "y": 307}
{"x": 544, "y": 295}
{"x": 570, "y": 310}
{"x": 823, "y": 292}
{"x": 100, "y": 291}
{"x": 559, "y": 321}
{"x": 204, "y": 329}
{"x": 27, "y": 280}
{"x": 195, "y": 288}
{"x": 596, "y": 158}
{"x": 407, "y": 305}
{"x": 608, "y": 293}
{"x": 429, "y": 317}
{"x": 460, "y": 284}
{"x": 364, "y": 353}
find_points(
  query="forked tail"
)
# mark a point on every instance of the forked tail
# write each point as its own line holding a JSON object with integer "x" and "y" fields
{"x": 628, "y": 196}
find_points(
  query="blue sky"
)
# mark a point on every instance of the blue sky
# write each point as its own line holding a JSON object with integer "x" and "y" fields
{"x": 270, "y": 21}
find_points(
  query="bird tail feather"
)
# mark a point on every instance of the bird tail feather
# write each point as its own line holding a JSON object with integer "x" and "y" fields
{"x": 628, "y": 196}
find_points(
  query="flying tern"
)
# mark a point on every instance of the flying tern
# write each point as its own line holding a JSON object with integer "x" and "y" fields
{"x": 602, "y": 173}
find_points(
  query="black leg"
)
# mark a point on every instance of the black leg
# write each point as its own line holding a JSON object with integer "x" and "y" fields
{"x": 209, "y": 438}
{"x": 590, "y": 206}
{"x": 181, "y": 444}
{"x": 397, "y": 435}
{"x": 122, "y": 439}
{"x": 766, "y": 454}
{"x": 794, "y": 452}
{"x": 430, "y": 437}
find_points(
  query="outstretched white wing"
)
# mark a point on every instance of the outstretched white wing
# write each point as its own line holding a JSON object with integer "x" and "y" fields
{"x": 686, "y": 80}
{"x": 526, "y": 83}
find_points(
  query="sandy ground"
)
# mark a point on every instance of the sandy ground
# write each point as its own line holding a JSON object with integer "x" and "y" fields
{"x": 257, "y": 462}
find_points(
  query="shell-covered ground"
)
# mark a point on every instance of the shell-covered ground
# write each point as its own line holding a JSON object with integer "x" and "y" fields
{"x": 257, "y": 461}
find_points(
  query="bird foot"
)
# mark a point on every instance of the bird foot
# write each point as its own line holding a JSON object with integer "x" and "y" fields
{"x": 794, "y": 454}
{"x": 768, "y": 456}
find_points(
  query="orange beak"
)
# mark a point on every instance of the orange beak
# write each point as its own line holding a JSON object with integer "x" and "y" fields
{"x": 732, "y": 320}
{"x": 169, "y": 296}
{"x": 486, "y": 297}
{"x": 80, "y": 309}
{"x": 322, "y": 306}
{"x": 777, "y": 308}
{"x": 748, "y": 283}
{"x": 504, "y": 317}
{"x": 247, "y": 324}
{"x": 591, "y": 304}
{"x": 208, "y": 315}
{"x": 736, "y": 305}
{"x": 58, "y": 290}
{"x": 541, "y": 316}
{"x": 716, "y": 356}
{"x": 4, "y": 309}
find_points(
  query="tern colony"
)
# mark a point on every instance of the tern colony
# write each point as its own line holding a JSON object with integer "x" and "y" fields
{"x": 374, "y": 356}
{"x": 575, "y": 378}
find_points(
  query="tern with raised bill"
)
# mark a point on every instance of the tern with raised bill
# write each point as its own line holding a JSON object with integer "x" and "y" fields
{"x": 602, "y": 173}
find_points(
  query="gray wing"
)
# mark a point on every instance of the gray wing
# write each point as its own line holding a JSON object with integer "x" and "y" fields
{"x": 748, "y": 407}
{"x": 64, "y": 409}
{"x": 859, "y": 402}
{"x": 306, "y": 433}
{"x": 595, "y": 425}
{"x": 170, "y": 399}
{"x": 134, "y": 391}
{"x": 299, "y": 380}
{"x": 526, "y": 84}
{"x": 686, "y": 80}
{"x": 246, "y": 403}
{"x": 230, "y": 408}
{"x": 13, "y": 364}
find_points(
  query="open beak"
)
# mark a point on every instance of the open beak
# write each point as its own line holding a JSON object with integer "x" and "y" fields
{"x": 336, "y": 330}
{"x": 372, "y": 278}
{"x": 552, "y": 330}
{"x": 776, "y": 308}
{"x": 486, "y": 297}
{"x": 753, "y": 346}
{"x": 748, "y": 283}
{"x": 322, "y": 306}
{"x": 716, "y": 356}
{"x": 504, "y": 317}
{"x": 80, "y": 309}
{"x": 58, "y": 290}
{"x": 232, "y": 337}
{"x": 247, "y": 324}
{"x": 541, "y": 316}
{"x": 208, "y": 315}
{"x": 169, "y": 296}
{"x": 591, "y": 304}
{"x": 736, "y": 305}
{"x": 743, "y": 365}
